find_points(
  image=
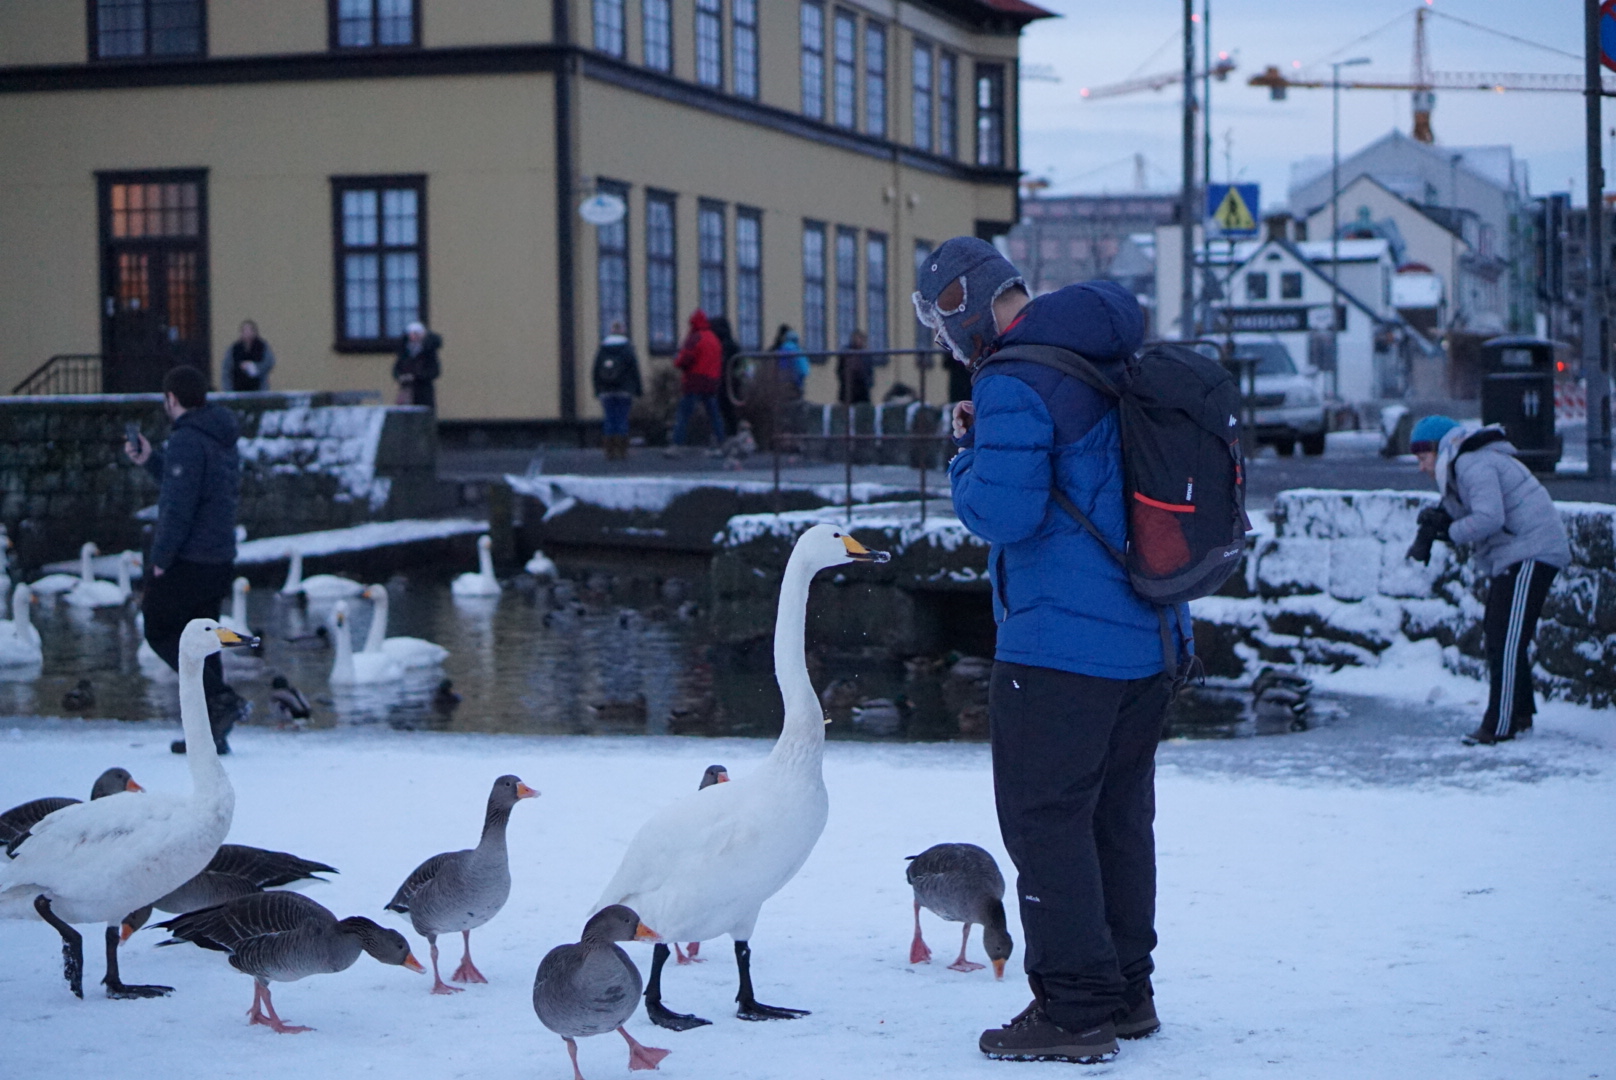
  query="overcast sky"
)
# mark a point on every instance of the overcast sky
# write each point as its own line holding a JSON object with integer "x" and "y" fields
{"x": 1088, "y": 146}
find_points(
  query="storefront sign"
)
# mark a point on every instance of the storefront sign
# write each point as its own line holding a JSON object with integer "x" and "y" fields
{"x": 1274, "y": 320}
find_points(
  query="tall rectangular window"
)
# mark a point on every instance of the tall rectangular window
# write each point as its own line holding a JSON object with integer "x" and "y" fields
{"x": 661, "y": 273}
{"x": 121, "y": 28}
{"x": 813, "y": 59}
{"x": 611, "y": 263}
{"x": 847, "y": 275}
{"x": 657, "y": 24}
{"x": 947, "y": 104}
{"x": 923, "y": 333}
{"x": 749, "y": 277}
{"x": 743, "y": 24}
{"x": 844, "y": 85}
{"x": 875, "y": 79}
{"x": 920, "y": 112}
{"x": 711, "y": 284}
{"x": 990, "y": 114}
{"x": 380, "y": 258}
{"x": 710, "y": 42}
{"x": 371, "y": 24}
{"x": 813, "y": 286}
{"x": 609, "y": 26}
{"x": 875, "y": 289}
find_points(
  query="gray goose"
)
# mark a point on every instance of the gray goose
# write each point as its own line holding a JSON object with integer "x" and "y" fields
{"x": 462, "y": 890}
{"x": 235, "y": 870}
{"x": 715, "y": 774}
{"x": 961, "y": 883}
{"x": 593, "y": 987}
{"x": 15, "y": 823}
{"x": 283, "y": 937}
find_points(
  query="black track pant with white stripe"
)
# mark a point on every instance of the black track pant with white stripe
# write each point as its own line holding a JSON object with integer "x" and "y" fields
{"x": 1514, "y": 601}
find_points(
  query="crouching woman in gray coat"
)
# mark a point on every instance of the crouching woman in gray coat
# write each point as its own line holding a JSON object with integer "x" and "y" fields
{"x": 1491, "y": 502}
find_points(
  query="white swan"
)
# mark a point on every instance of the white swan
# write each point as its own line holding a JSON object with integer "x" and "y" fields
{"x": 98, "y": 861}
{"x": 19, "y": 641}
{"x": 318, "y": 587}
{"x": 482, "y": 582}
{"x": 703, "y": 866}
{"x": 52, "y": 584}
{"x": 237, "y": 619}
{"x": 410, "y": 652}
{"x": 542, "y": 566}
{"x": 94, "y": 594}
{"x": 358, "y": 669}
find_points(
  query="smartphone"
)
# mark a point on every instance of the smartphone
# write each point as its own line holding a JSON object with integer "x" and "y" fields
{"x": 131, "y": 434}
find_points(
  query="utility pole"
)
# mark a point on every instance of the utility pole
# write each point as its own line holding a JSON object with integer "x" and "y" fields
{"x": 1206, "y": 140}
{"x": 1186, "y": 198}
{"x": 1596, "y": 319}
{"x": 1335, "y": 220}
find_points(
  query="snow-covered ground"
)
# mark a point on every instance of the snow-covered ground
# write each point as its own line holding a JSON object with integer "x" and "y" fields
{"x": 1365, "y": 899}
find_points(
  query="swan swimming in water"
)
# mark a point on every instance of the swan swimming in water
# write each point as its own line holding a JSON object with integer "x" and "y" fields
{"x": 411, "y": 652}
{"x": 482, "y": 582}
{"x": 318, "y": 587}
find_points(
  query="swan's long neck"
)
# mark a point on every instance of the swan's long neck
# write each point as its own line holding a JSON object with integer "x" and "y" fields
{"x": 86, "y": 565}
{"x": 344, "y": 660}
{"x": 207, "y": 775}
{"x": 123, "y": 576}
{"x": 485, "y": 562}
{"x": 802, "y": 739}
{"x": 19, "y": 610}
{"x": 378, "y": 622}
{"x": 294, "y": 572}
{"x": 238, "y": 605}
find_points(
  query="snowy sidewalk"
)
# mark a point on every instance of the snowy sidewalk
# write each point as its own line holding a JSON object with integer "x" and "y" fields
{"x": 1392, "y": 925}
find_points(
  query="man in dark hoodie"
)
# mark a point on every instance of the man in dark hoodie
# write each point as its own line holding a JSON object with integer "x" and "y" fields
{"x": 1077, "y": 695}
{"x": 193, "y": 553}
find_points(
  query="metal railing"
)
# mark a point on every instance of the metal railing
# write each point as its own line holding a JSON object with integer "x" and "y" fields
{"x": 64, "y": 373}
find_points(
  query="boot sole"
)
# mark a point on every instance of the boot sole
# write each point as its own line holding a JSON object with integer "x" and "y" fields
{"x": 1074, "y": 1056}
{"x": 1140, "y": 1031}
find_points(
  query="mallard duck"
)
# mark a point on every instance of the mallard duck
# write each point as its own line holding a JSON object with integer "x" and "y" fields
{"x": 289, "y": 702}
{"x": 79, "y": 698}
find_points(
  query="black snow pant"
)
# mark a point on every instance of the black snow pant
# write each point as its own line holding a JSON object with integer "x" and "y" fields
{"x": 186, "y": 591}
{"x": 1074, "y": 777}
{"x": 1514, "y": 602}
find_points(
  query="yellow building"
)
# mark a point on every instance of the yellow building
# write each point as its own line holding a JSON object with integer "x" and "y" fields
{"x": 334, "y": 169}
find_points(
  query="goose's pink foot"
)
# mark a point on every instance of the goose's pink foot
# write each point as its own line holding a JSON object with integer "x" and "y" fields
{"x": 640, "y": 1057}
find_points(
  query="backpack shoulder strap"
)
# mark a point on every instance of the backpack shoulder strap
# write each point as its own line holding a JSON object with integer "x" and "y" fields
{"x": 1063, "y": 360}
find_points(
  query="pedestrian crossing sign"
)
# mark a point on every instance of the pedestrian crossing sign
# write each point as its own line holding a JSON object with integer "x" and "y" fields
{"x": 1232, "y": 209}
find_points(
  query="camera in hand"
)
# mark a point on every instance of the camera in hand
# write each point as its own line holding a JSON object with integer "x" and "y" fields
{"x": 1433, "y": 526}
{"x": 131, "y": 434}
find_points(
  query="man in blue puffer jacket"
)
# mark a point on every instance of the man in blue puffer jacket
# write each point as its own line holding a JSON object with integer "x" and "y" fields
{"x": 1077, "y": 695}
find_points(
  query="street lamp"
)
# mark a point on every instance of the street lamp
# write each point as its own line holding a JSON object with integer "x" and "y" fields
{"x": 1335, "y": 219}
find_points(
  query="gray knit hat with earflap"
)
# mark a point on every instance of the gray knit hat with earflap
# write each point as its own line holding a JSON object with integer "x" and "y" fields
{"x": 954, "y": 293}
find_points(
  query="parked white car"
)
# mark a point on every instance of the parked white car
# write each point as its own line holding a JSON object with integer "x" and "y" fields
{"x": 1286, "y": 405}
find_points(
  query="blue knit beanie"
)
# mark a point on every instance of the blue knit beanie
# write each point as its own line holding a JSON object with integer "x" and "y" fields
{"x": 1429, "y": 432}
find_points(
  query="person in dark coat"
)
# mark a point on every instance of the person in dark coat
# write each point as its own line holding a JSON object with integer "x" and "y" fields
{"x": 731, "y": 349}
{"x": 1077, "y": 694}
{"x": 616, "y": 380}
{"x": 854, "y": 374}
{"x": 247, "y": 363}
{"x": 193, "y": 552}
{"x": 418, "y": 367}
{"x": 701, "y": 367}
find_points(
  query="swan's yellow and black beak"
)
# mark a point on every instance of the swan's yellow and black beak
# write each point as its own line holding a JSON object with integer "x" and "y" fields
{"x": 232, "y": 640}
{"x": 525, "y": 792}
{"x": 859, "y": 553}
{"x": 645, "y": 933}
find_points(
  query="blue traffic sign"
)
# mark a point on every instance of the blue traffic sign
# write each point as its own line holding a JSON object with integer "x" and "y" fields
{"x": 1232, "y": 210}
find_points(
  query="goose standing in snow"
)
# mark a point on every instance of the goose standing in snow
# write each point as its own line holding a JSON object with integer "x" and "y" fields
{"x": 593, "y": 987}
{"x": 96, "y": 594}
{"x": 358, "y": 669}
{"x": 15, "y": 823}
{"x": 703, "y": 866}
{"x": 284, "y": 937}
{"x": 237, "y": 619}
{"x": 20, "y": 645}
{"x": 320, "y": 587}
{"x": 482, "y": 582}
{"x": 462, "y": 890}
{"x": 98, "y": 861}
{"x": 54, "y": 584}
{"x": 410, "y": 652}
{"x": 236, "y": 870}
{"x": 961, "y": 883}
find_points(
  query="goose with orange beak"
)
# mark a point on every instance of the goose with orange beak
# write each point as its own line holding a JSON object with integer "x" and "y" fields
{"x": 593, "y": 987}
{"x": 15, "y": 823}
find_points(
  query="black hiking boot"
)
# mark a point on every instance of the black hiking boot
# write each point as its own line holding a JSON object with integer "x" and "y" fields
{"x": 1138, "y": 1021}
{"x": 1487, "y": 736}
{"x": 1033, "y": 1036}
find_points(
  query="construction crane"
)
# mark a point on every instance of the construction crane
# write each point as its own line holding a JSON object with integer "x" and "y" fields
{"x": 1220, "y": 71}
{"x": 1424, "y": 82}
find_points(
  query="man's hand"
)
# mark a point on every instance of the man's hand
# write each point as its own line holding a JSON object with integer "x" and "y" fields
{"x": 137, "y": 454}
{"x": 964, "y": 417}
{"x": 1437, "y": 520}
{"x": 157, "y": 571}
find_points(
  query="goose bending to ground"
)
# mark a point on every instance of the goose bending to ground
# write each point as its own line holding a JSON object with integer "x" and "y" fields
{"x": 462, "y": 890}
{"x": 54, "y": 584}
{"x": 15, "y": 823}
{"x": 715, "y": 774}
{"x": 20, "y": 645}
{"x": 318, "y": 587}
{"x": 358, "y": 669}
{"x": 237, "y": 619}
{"x": 703, "y": 866}
{"x": 411, "y": 652}
{"x": 961, "y": 883}
{"x": 237, "y": 870}
{"x": 593, "y": 987}
{"x": 482, "y": 582}
{"x": 94, "y": 593}
{"x": 284, "y": 937}
{"x": 98, "y": 861}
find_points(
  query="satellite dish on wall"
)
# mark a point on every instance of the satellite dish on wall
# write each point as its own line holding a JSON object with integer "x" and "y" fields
{"x": 602, "y": 209}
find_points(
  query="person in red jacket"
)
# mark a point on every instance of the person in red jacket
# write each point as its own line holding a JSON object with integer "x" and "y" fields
{"x": 701, "y": 365}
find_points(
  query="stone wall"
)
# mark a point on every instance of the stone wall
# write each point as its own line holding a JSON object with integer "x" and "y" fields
{"x": 1330, "y": 585}
{"x": 309, "y": 461}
